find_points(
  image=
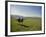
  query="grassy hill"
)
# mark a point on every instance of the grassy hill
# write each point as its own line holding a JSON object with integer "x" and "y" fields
{"x": 29, "y": 24}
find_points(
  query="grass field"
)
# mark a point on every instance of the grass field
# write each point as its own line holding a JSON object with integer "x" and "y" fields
{"x": 33, "y": 24}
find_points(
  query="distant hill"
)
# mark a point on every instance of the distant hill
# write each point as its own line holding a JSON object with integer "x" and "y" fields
{"x": 14, "y": 16}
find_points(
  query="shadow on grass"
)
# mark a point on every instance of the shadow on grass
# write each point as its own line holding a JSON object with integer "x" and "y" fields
{"x": 23, "y": 25}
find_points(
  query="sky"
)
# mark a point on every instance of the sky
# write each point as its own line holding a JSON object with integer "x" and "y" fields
{"x": 26, "y": 11}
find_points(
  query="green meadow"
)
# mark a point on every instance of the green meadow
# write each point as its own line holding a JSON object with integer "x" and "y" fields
{"x": 29, "y": 24}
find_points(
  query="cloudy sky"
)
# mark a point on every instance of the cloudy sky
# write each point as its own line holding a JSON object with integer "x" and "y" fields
{"x": 27, "y": 11}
